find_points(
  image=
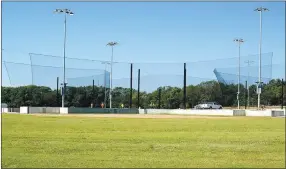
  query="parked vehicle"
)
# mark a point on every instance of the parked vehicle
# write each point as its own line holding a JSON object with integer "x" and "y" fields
{"x": 208, "y": 105}
{"x": 199, "y": 106}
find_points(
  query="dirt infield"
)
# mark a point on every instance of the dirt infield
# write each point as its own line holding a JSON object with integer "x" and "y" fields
{"x": 160, "y": 116}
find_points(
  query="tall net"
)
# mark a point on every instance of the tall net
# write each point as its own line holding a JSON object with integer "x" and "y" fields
{"x": 16, "y": 74}
{"x": 154, "y": 76}
{"x": 216, "y": 79}
{"x": 161, "y": 84}
{"x": 249, "y": 70}
{"x": 120, "y": 74}
{"x": 79, "y": 72}
{"x": 278, "y": 70}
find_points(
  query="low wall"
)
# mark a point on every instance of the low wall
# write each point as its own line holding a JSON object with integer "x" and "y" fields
{"x": 64, "y": 110}
{"x": 239, "y": 113}
{"x": 220, "y": 112}
{"x": 4, "y": 110}
{"x": 77, "y": 110}
{"x": 266, "y": 113}
{"x": 24, "y": 110}
{"x": 278, "y": 112}
{"x": 33, "y": 110}
{"x": 187, "y": 112}
{"x": 213, "y": 112}
{"x": 12, "y": 110}
{"x": 15, "y": 110}
{"x": 50, "y": 110}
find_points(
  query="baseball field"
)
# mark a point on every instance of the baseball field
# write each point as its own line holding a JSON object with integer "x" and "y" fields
{"x": 38, "y": 141}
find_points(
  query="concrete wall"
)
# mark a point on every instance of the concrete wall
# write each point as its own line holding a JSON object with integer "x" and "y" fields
{"x": 15, "y": 110}
{"x": 64, "y": 110}
{"x": 278, "y": 112}
{"x": 213, "y": 112}
{"x": 187, "y": 112}
{"x": 266, "y": 113}
{"x": 24, "y": 110}
{"x": 53, "y": 110}
{"x": 239, "y": 113}
{"x": 35, "y": 110}
{"x": 12, "y": 110}
{"x": 4, "y": 110}
{"x": 32, "y": 110}
{"x": 70, "y": 110}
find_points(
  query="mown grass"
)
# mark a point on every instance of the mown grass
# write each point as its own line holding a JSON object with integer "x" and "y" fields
{"x": 30, "y": 141}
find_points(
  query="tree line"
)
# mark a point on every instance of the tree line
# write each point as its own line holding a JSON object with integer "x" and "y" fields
{"x": 166, "y": 97}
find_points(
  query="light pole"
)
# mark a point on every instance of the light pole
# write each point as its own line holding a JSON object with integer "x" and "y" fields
{"x": 248, "y": 64}
{"x": 239, "y": 41}
{"x": 260, "y": 10}
{"x": 112, "y": 44}
{"x": 65, "y": 12}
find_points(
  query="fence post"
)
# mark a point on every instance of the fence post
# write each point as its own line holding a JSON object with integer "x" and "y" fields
{"x": 138, "y": 97}
{"x": 62, "y": 92}
{"x": 93, "y": 98}
{"x": 185, "y": 85}
{"x": 159, "y": 98}
{"x": 105, "y": 87}
{"x": 32, "y": 69}
{"x": 65, "y": 86}
{"x": 131, "y": 79}
{"x": 245, "y": 93}
{"x": 58, "y": 91}
{"x": 282, "y": 95}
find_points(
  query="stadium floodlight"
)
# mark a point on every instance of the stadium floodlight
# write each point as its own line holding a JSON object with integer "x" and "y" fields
{"x": 112, "y": 44}
{"x": 248, "y": 64}
{"x": 260, "y": 10}
{"x": 239, "y": 41}
{"x": 66, "y": 12}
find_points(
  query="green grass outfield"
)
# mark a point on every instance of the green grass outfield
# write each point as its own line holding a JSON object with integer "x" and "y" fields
{"x": 30, "y": 141}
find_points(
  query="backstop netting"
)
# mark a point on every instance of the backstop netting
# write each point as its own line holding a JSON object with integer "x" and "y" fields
{"x": 155, "y": 76}
{"x": 45, "y": 70}
{"x": 168, "y": 78}
{"x": 16, "y": 74}
{"x": 249, "y": 70}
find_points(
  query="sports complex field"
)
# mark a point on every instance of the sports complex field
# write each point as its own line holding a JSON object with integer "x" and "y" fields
{"x": 36, "y": 141}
